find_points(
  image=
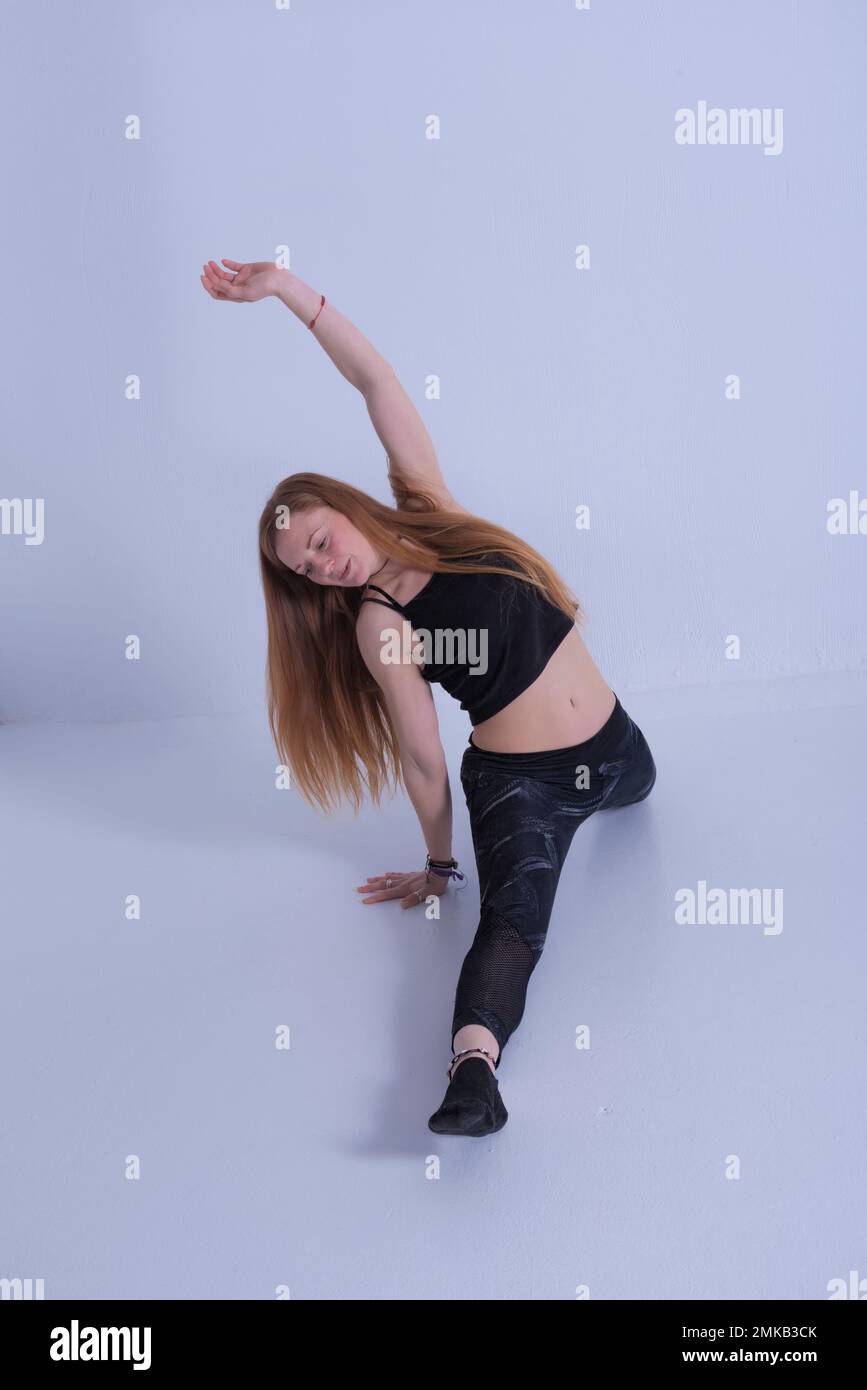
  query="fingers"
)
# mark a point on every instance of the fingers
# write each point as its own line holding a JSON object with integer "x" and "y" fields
{"x": 373, "y": 880}
{"x": 219, "y": 273}
{"x": 233, "y": 265}
{"x": 400, "y": 882}
{"x": 218, "y": 283}
{"x": 378, "y": 890}
{"x": 210, "y": 286}
{"x": 384, "y": 896}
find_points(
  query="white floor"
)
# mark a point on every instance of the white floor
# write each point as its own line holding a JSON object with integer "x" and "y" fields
{"x": 312, "y": 1167}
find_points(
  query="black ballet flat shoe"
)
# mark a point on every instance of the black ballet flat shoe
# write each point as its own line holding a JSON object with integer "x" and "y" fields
{"x": 473, "y": 1105}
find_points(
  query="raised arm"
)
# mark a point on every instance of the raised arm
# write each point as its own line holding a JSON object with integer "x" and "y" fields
{"x": 412, "y": 460}
{"x": 411, "y": 455}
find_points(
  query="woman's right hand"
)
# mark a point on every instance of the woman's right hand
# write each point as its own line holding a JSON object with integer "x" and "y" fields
{"x": 413, "y": 888}
{"x": 245, "y": 284}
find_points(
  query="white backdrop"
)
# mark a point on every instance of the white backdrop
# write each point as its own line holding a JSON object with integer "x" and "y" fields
{"x": 603, "y": 386}
{"x": 151, "y": 1032}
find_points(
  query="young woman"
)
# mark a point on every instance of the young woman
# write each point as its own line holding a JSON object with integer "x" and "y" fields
{"x": 471, "y": 606}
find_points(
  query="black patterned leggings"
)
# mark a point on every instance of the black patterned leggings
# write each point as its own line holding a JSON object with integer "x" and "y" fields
{"x": 524, "y": 810}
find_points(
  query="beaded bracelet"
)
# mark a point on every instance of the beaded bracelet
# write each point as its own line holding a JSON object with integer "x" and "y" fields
{"x": 444, "y": 868}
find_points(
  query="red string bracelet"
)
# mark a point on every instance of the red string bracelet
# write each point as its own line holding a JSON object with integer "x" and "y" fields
{"x": 316, "y": 315}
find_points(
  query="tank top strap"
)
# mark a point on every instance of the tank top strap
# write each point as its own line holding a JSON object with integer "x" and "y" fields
{"x": 392, "y": 602}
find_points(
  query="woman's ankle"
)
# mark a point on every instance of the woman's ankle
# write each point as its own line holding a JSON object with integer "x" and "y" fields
{"x": 474, "y": 1040}
{"x": 473, "y": 1052}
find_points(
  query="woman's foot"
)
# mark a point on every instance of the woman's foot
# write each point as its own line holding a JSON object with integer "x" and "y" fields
{"x": 473, "y": 1105}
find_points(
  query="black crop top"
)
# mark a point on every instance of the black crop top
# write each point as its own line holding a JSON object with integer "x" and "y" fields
{"x": 484, "y": 637}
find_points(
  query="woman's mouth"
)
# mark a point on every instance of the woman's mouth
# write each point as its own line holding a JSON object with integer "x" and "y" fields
{"x": 345, "y": 573}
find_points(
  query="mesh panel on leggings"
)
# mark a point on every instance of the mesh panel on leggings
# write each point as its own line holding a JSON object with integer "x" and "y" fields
{"x": 492, "y": 987}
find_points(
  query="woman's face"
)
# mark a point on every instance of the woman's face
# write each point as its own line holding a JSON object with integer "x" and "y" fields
{"x": 324, "y": 546}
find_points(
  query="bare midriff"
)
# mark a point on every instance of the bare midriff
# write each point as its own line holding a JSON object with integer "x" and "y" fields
{"x": 567, "y": 703}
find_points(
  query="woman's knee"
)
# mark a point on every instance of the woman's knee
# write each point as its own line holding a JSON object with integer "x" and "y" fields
{"x": 646, "y": 780}
{"x": 632, "y": 780}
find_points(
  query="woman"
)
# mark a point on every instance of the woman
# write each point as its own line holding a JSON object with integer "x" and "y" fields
{"x": 475, "y": 608}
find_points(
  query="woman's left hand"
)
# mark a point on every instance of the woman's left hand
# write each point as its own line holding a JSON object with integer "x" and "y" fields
{"x": 413, "y": 889}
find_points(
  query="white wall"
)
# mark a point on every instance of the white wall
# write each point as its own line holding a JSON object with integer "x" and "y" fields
{"x": 455, "y": 256}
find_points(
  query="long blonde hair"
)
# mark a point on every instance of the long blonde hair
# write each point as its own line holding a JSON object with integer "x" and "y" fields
{"x": 327, "y": 714}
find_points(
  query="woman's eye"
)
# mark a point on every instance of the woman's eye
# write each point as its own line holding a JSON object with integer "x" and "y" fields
{"x": 319, "y": 546}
